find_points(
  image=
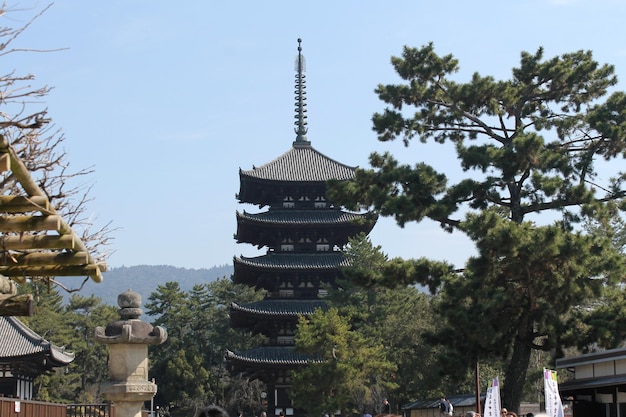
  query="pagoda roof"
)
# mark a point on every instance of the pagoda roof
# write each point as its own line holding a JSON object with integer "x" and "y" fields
{"x": 18, "y": 341}
{"x": 282, "y": 308}
{"x": 323, "y": 260}
{"x": 304, "y": 217}
{"x": 301, "y": 163}
{"x": 270, "y": 356}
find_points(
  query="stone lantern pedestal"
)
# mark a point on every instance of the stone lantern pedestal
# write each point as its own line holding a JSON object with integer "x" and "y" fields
{"x": 128, "y": 340}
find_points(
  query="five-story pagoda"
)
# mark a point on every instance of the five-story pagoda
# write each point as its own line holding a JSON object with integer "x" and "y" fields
{"x": 303, "y": 233}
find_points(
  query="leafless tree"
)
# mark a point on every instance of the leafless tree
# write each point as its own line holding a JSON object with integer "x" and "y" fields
{"x": 25, "y": 123}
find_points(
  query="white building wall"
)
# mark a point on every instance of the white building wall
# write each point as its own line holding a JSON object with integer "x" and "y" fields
{"x": 603, "y": 369}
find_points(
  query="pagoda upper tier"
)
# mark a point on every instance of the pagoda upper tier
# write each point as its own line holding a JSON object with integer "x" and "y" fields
{"x": 297, "y": 177}
{"x": 302, "y": 227}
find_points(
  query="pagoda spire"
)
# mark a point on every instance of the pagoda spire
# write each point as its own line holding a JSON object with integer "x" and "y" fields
{"x": 300, "y": 104}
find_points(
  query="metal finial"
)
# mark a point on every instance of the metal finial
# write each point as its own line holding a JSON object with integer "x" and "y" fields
{"x": 300, "y": 92}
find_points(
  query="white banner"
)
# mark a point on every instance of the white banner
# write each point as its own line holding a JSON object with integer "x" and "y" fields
{"x": 492, "y": 400}
{"x": 554, "y": 406}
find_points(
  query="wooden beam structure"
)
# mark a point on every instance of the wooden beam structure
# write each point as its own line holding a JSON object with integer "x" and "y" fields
{"x": 16, "y": 305}
{"x": 23, "y": 204}
{"x": 22, "y": 271}
{"x": 21, "y": 242}
{"x": 29, "y": 223}
{"x": 35, "y": 240}
{"x": 5, "y": 163}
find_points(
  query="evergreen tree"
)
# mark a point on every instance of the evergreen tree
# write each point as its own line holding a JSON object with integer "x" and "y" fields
{"x": 71, "y": 326}
{"x": 189, "y": 367}
{"x": 345, "y": 367}
{"x": 528, "y": 145}
{"x": 175, "y": 364}
{"x": 83, "y": 315}
{"x": 398, "y": 318}
{"x": 50, "y": 322}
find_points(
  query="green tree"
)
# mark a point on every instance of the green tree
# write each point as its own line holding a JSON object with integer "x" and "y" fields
{"x": 189, "y": 367}
{"x": 609, "y": 222}
{"x": 235, "y": 392}
{"x": 398, "y": 318}
{"x": 71, "y": 326}
{"x": 82, "y": 316}
{"x": 531, "y": 144}
{"x": 345, "y": 366}
{"x": 176, "y": 364}
{"x": 50, "y": 322}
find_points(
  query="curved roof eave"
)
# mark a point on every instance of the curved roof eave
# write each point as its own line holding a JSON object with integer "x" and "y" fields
{"x": 271, "y": 356}
{"x": 301, "y": 164}
{"x": 283, "y": 308}
{"x": 290, "y": 216}
{"x": 318, "y": 261}
{"x": 18, "y": 340}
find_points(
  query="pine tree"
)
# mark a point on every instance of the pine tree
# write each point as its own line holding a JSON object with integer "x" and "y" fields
{"x": 532, "y": 144}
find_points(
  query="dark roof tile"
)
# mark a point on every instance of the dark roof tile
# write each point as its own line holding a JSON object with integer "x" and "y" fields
{"x": 271, "y": 355}
{"x": 301, "y": 164}
{"x": 17, "y": 340}
{"x": 309, "y": 261}
{"x": 280, "y": 307}
{"x": 316, "y": 217}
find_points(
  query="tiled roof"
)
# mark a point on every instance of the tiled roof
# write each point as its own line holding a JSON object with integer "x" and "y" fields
{"x": 586, "y": 384}
{"x": 608, "y": 355}
{"x": 302, "y": 163}
{"x": 291, "y": 216}
{"x": 17, "y": 340}
{"x": 280, "y": 307}
{"x": 329, "y": 260}
{"x": 270, "y": 356}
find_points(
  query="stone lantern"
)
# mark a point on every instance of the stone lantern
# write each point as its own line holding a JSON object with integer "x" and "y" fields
{"x": 128, "y": 340}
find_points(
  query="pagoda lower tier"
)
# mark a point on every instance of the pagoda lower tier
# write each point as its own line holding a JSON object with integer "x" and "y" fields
{"x": 298, "y": 275}
{"x": 271, "y": 316}
{"x": 272, "y": 366}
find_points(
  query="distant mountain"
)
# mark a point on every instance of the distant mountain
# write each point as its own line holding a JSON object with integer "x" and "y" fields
{"x": 144, "y": 279}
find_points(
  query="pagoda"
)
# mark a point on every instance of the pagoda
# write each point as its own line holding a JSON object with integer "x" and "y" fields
{"x": 303, "y": 234}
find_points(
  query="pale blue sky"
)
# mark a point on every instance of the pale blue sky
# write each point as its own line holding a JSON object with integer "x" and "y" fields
{"x": 168, "y": 100}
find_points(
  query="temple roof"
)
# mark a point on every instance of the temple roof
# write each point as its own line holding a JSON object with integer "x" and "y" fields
{"x": 310, "y": 261}
{"x": 304, "y": 217}
{"x": 301, "y": 163}
{"x": 270, "y": 356}
{"x": 18, "y": 341}
{"x": 280, "y": 307}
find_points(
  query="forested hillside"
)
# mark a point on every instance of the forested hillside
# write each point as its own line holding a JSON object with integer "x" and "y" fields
{"x": 144, "y": 279}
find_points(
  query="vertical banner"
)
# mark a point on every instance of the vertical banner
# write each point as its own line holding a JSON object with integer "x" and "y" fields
{"x": 492, "y": 400}
{"x": 554, "y": 406}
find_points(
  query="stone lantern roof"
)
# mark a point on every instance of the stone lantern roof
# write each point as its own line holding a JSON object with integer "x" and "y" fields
{"x": 129, "y": 329}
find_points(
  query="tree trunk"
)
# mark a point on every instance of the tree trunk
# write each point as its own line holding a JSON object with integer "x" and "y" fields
{"x": 515, "y": 375}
